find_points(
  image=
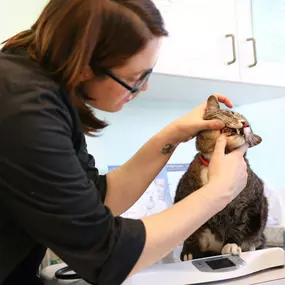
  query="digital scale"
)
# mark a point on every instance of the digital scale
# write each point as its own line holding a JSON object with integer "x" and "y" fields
{"x": 198, "y": 271}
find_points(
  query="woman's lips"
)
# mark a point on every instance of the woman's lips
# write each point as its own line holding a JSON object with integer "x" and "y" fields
{"x": 127, "y": 99}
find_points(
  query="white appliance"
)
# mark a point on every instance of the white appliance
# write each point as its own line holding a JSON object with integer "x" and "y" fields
{"x": 198, "y": 271}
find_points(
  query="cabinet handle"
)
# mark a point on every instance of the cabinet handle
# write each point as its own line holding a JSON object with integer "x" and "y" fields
{"x": 233, "y": 47}
{"x": 254, "y": 51}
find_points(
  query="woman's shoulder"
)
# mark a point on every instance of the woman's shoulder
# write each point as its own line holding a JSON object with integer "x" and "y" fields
{"x": 20, "y": 72}
{"x": 26, "y": 87}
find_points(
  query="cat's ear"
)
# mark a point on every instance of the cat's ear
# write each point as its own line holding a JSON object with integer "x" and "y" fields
{"x": 212, "y": 104}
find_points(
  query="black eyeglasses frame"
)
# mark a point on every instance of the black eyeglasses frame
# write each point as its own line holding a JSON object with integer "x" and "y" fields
{"x": 138, "y": 86}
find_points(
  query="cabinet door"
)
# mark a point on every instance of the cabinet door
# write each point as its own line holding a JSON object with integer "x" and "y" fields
{"x": 17, "y": 16}
{"x": 261, "y": 26}
{"x": 202, "y": 39}
{"x": 165, "y": 62}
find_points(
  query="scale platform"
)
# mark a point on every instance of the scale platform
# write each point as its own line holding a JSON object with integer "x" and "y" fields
{"x": 205, "y": 270}
{"x": 212, "y": 269}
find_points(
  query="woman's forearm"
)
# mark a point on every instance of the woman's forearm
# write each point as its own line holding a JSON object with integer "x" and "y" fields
{"x": 128, "y": 182}
{"x": 166, "y": 230}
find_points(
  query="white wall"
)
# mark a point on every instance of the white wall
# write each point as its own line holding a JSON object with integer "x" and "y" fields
{"x": 268, "y": 121}
{"x": 18, "y": 15}
{"x": 134, "y": 125}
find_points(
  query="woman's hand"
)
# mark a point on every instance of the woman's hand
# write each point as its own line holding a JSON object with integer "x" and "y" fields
{"x": 188, "y": 126}
{"x": 228, "y": 171}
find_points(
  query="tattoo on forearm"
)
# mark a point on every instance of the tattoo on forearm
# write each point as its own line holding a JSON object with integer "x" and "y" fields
{"x": 168, "y": 148}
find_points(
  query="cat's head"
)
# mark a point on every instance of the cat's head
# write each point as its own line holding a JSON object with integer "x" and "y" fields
{"x": 237, "y": 129}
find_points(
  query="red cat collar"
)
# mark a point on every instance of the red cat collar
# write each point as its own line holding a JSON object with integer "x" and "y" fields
{"x": 203, "y": 160}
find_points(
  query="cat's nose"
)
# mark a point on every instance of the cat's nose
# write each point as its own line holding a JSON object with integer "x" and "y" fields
{"x": 245, "y": 124}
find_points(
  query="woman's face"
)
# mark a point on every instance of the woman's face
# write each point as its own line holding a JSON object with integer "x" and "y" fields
{"x": 107, "y": 94}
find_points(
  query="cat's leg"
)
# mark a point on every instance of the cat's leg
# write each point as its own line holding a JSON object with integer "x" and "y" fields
{"x": 191, "y": 249}
{"x": 231, "y": 248}
{"x": 187, "y": 250}
{"x": 254, "y": 243}
{"x": 262, "y": 242}
{"x": 233, "y": 243}
{"x": 233, "y": 240}
{"x": 248, "y": 245}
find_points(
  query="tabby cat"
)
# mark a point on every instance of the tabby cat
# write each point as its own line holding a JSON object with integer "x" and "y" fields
{"x": 240, "y": 226}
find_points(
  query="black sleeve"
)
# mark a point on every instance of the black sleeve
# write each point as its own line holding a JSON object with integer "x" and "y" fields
{"x": 48, "y": 192}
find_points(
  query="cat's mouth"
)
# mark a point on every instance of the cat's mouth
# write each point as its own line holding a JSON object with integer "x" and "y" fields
{"x": 232, "y": 132}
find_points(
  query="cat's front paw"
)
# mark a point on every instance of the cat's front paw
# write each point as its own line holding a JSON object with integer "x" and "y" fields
{"x": 186, "y": 256}
{"x": 231, "y": 248}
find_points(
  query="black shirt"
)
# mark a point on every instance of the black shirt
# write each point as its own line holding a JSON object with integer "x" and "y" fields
{"x": 51, "y": 195}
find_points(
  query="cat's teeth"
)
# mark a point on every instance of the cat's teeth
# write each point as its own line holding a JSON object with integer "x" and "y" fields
{"x": 238, "y": 131}
{"x": 246, "y": 132}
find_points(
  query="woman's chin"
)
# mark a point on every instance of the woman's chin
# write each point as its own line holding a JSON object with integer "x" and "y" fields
{"x": 115, "y": 108}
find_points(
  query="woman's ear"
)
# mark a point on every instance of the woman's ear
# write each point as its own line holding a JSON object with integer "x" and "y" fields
{"x": 86, "y": 74}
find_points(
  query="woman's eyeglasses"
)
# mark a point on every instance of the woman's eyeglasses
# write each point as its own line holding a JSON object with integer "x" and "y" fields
{"x": 139, "y": 84}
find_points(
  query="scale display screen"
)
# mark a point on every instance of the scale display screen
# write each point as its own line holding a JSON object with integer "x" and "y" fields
{"x": 220, "y": 263}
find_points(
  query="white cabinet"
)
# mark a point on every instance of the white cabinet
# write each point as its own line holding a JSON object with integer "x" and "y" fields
{"x": 231, "y": 40}
{"x": 261, "y": 32}
{"x": 17, "y": 16}
{"x": 202, "y": 39}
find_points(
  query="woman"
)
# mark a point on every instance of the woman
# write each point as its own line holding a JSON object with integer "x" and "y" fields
{"x": 101, "y": 54}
